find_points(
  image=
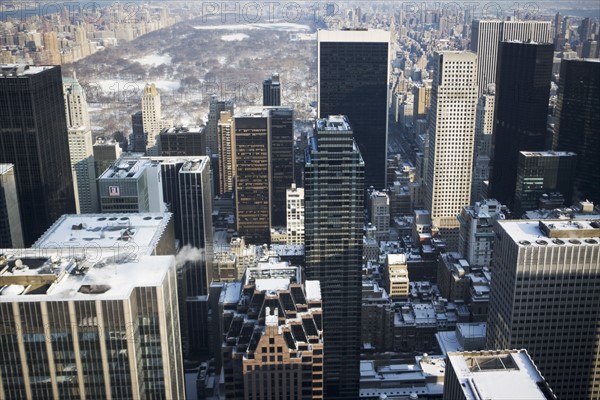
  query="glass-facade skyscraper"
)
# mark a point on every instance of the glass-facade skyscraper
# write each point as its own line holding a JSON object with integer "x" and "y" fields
{"x": 353, "y": 74}
{"x": 577, "y": 126}
{"x": 33, "y": 137}
{"x": 520, "y": 121}
{"x": 334, "y": 218}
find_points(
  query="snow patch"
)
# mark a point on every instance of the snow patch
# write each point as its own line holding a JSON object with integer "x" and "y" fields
{"x": 234, "y": 37}
{"x": 155, "y": 59}
{"x": 280, "y": 26}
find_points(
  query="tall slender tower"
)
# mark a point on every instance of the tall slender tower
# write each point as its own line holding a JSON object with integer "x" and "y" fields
{"x": 11, "y": 234}
{"x": 225, "y": 129}
{"x": 334, "y": 217}
{"x": 521, "y": 111}
{"x": 215, "y": 108}
{"x": 545, "y": 299}
{"x": 33, "y": 137}
{"x": 151, "y": 116}
{"x": 353, "y": 80}
{"x": 272, "y": 91}
{"x": 577, "y": 126}
{"x": 252, "y": 181}
{"x": 484, "y": 127}
{"x": 76, "y": 107}
{"x": 451, "y": 140}
{"x": 83, "y": 169}
{"x": 282, "y": 160}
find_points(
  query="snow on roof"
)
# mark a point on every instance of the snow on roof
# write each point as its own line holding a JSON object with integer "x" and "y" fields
{"x": 313, "y": 290}
{"x": 76, "y": 233}
{"x": 119, "y": 278}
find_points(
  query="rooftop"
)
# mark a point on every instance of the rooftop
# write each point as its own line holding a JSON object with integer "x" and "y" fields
{"x": 548, "y": 154}
{"x": 506, "y": 374}
{"x": 559, "y": 232}
{"x": 334, "y": 123}
{"x": 18, "y": 70}
{"x": 357, "y": 36}
{"x": 126, "y": 169}
{"x": 87, "y": 233}
{"x": 28, "y": 277}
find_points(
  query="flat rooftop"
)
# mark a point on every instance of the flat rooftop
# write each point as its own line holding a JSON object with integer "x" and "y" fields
{"x": 76, "y": 233}
{"x": 354, "y": 36}
{"x": 334, "y": 123}
{"x": 557, "y": 232}
{"x": 548, "y": 154}
{"x": 506, "y": 374}
{"x": 19, "y": 70}
{"x": 26, "y": 277}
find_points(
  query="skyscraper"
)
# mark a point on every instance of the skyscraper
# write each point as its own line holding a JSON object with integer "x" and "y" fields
{"x": 33, "y": 137}
{"x": 151, "y": 117}
{"x": 76, "y": 108}
{"x": 353, "y": 80}
{"x": 83, "y": 169}
{"x": 215, "y": 108}
{"x": 252, "y": 155}
{"x": 282, "y": 160}
{"x": 76, "y": 328}
{"x": 486, "y": 36}
{"x": 11, "y": 234}
{"x": 334, "y": 218}
{"x": 521, "y": 111}
{"x": 545, "y": 299}
{"x": 182, "y": 141}
{"x": 577, "y": 126}
{"x": 272, "y": 91}
{"x": 295, "y": 215}
{"x": 451, "y": 140}
{"x": 225, "y": 129}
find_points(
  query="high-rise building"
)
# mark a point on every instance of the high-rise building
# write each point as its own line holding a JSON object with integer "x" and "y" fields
{"x": 484, "y": 126}
{"x": 545, "y": 299}
{"x": 131, "y": 185}
{"x": 11, "y": 234}
{"x": 282, "y": 160}
{"x": 272, "y": 91}
{"x": 76, "y": 328}
{"x": 195, "y": 210}
{"x": 33, "y": 137}
{"x": 225, "y": 129}
{"x": 422, "y": 100}
{"x": 215, "y": 108}
{"x": 486, "y": 36}
{"x": 196, "y": 220}
{"x": 540, "y": 172}
{"x": 271, "y": 334}
{"x": 451, "y": 140}
{"x": 353, "y": 80}
{"x": 83, "y": 169}
{"x": 334, "y": 218}
{"x": 502, "y": 374}
{"x": 76, "y": 108}
{"x": 295, "y": 215}
{"x": 476, "y": 233}
{"x": 578, "y": 123}
{"x": 397, "y": 276}
{"x": 182, "y": 141}
{"x": 151, "y": 117}
{"x": 521, "y": 111}
{"x": 252, "y": 177}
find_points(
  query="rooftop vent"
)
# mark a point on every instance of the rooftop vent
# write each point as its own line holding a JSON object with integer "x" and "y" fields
{"x": 94, "y": 289}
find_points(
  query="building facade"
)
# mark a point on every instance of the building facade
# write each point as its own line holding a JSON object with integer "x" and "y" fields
{"x": 521, "y": 111}
{"x": 334, "y": 204}
{"x": 578, "y": 121}
{"x": 282, "y": 160}
{"x": 476, "y": 233}
{"x": 544, "y": 298}
{"x": 225, "y": 129}
{"x": 83, "y": 170}
{"x": 353, "y": 80}
{"x": 151, "y": 117}
{"x": 295, "y": 215}
{"x": 451, "y": 140}
{"x": 272, "y": 91}
{"x": 36, "y": 143}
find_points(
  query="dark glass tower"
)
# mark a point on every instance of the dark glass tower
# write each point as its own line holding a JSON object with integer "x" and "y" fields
{"x": 282, "y": 161}
{"x": 272, "y": 91}
{"x": 252, "y": 180}
{"x": 334, "y": 203}
{"x": 353, "y": 81}
{"x": 523, "y": 79}
{"x": 33, "y": 137}
{"x": 577, "y": 126}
